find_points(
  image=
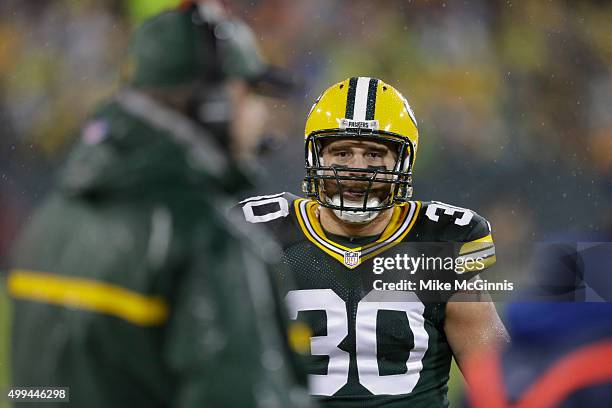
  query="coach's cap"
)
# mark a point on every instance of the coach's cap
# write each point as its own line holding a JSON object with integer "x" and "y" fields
{"x": 197, "y": 42}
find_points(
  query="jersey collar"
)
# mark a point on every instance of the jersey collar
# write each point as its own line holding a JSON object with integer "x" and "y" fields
{"x": 402, "y": 220}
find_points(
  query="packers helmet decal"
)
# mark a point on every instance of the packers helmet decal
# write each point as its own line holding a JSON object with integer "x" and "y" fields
{"x": 368, "y": 109}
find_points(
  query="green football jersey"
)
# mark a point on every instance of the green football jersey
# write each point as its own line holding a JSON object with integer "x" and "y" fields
{"x": 375, "y": 345}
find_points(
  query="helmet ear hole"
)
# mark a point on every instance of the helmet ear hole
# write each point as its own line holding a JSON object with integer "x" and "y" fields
{"x": 308, "y": 188}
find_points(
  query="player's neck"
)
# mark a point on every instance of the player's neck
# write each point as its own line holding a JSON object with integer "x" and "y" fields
{"x": 336, "y": 226}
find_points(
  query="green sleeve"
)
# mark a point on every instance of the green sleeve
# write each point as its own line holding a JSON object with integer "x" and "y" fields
{"x": 223, "y": 340}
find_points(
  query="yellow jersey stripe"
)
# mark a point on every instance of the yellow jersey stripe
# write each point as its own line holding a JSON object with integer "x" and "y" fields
{"x": 397, "y": 219}
{"x": 328, "y": 249}
{"x": 399, "y": 213}
{"x": 398, "y": 239}
{"x": 398, "y": 233}
{"x": 311, "y": 238}
{"x": 312, "y": 229}
{"x": 313, "y": 221}
{"x": 477, "y": 245}
{"x": 87, "y": 294}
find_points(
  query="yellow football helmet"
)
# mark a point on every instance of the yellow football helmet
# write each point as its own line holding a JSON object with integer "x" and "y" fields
{"x": 361, "y": 108}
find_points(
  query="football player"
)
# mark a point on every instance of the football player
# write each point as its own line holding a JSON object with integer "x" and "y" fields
{"x": 375, "y": 345}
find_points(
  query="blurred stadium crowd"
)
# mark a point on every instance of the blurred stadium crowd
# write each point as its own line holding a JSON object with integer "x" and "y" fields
{"x": 512, "y": 98}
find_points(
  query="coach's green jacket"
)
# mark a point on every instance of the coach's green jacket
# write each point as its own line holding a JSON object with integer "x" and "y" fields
{"x": 131, "y": 288}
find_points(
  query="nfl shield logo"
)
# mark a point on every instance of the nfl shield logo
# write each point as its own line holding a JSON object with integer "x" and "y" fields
{"x": 351, "y": 258}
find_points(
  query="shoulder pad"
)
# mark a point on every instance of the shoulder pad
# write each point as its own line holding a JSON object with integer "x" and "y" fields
{"x": 451, "y": 223}
{"x": 267, "y": 208}
{"x": 274, "y": 211}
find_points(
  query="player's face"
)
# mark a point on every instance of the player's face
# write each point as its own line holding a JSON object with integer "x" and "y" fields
{"x": 360, "y": 154}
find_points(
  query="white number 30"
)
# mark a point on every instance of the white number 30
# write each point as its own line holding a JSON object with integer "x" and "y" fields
{"x": 366, "y": 347}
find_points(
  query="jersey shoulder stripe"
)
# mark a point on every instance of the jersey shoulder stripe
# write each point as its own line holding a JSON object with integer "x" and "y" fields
{"x": 441, "y": 222}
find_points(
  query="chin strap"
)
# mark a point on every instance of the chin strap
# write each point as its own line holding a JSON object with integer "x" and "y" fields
{"x": 355, "y": 217}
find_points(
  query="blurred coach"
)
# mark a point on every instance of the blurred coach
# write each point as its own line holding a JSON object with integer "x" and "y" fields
{"x": 129, "y": 285}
